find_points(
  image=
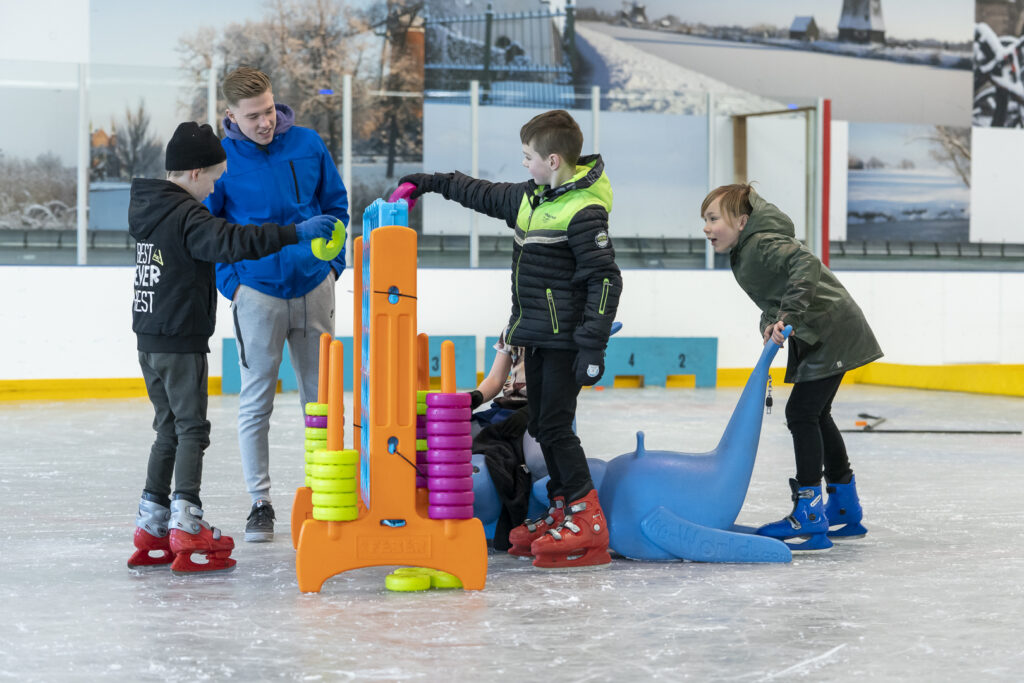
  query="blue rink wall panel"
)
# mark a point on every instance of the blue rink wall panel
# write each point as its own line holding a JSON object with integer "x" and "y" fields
{"x": 654, "y": 358}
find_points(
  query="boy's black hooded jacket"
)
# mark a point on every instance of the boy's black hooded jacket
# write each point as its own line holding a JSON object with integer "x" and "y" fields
{"x": 565, "y": 283}
{"x": 177, "y": 242}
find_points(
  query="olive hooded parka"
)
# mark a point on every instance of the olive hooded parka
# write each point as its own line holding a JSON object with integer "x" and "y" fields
{"x": 789, "y": 283}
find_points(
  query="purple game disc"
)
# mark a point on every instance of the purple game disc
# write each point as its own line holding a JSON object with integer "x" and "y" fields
{"x": 450, "y": 483}
{"x": 450, "y": 511}
{"x": 450, "y": 442}
{"x": 450, "y": 470}
{"x": 316, "y": 421}
{"x": 448, "y": 428}
{"x": 421, "y": 482}
{"x": 448, "y": 401}
{"x": 449, "y": 414}
{"x": 440, "y": 456}
{"x": 451, "y": 497}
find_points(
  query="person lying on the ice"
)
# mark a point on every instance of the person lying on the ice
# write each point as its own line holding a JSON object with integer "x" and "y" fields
{"x": 173, "y": 314}
{"x": 566, "y": 290}
{"x": 505, "y": 383}
{"x": 830, "y": 337}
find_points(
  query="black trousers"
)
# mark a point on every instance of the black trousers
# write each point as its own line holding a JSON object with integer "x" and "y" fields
{"x": 816, "y": 438}
{"x": 176, "y": 384}
{"x": 551, "y": 392}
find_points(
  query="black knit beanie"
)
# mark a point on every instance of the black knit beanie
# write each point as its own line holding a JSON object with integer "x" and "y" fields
{"x": 193, "y": 146}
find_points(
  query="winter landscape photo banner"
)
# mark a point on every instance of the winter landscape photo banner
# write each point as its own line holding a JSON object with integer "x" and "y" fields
{"x": 908, "y": 183}
{"x": 912, "y": 57}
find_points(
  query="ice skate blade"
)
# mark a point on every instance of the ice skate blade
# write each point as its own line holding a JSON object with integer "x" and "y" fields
{"x": 147, "y": 568}
{"x": 598, "y": 559}
{"x": 815, "y": 543}
{"x": 184, "y": 565}
{"x": 259, "y": 536}
{"x": 203, "y": 572}
{"x": 571, "y": 569}
{"x": 848, "y": 532}
{"x": 144, "y": 562}
{"x": 517, "y": 551}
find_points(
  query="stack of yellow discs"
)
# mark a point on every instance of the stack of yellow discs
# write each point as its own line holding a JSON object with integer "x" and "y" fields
{"x": 316, "y": 438}
{"x": 332, "y": 476}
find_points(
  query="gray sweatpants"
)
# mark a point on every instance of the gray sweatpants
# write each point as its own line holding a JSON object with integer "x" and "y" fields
{"x": 262, "y": 324}
{"x": 176, "y": 384}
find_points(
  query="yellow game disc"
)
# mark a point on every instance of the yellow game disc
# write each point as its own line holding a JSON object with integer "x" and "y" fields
{"x": 329, "y": 514}
{"x": 332, "y": 485}
{"x": 316, "y": 445}
{"x": 316, "y": 433}
{"x": 324, "y": 250}
{"x": 331, "y": 471}
{"x": 316, "y": 409}
{"x": 439, "y": 579}
{"x": 421, "y": 408}
{"x": 334, "y": 500}
{"x": 417, "y": 571}
{"x": 325, "y": 457}
{"x": 421, "y": 444}
{"x": 407, "y": 582}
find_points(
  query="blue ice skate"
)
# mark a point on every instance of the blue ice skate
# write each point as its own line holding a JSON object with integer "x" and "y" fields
{"x": 806, "y": 527}
{"x": 843, "y": 511}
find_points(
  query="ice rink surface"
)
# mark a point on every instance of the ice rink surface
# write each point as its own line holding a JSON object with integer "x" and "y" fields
{"x": 935, "y": 592}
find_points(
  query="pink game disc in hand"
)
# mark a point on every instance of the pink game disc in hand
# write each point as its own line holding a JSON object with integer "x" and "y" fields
{"x": 403, "y": 192}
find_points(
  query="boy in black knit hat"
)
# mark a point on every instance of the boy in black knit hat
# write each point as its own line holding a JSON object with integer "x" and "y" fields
{"x": 173, "y": 314}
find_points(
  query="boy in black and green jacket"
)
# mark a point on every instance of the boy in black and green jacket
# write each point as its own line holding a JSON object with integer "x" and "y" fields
{"x": 565, "y": 290}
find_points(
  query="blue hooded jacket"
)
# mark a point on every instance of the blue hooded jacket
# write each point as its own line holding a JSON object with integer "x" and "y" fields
{"x": 291, "y": 179}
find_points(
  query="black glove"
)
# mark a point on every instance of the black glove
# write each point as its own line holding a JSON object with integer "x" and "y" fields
{"x": 588, "y": 366}
{"x": 420, "y": 180}
{"x": 475, "y": 399}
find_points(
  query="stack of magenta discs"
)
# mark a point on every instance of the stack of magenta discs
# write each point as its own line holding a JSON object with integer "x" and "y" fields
{"x": 421, "y": 438}
{"x": 316, "y": 432}
{"x": 332, "y": 476}
{"x": 449, "y": 459}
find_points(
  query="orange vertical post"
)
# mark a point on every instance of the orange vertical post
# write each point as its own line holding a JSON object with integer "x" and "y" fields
{"x": 336, "y": 399}
{"x": 422, "y": 362}
{"x": 448, "y": 367}
{"x": 357, "y": 339}
{"x": 323, "y": 368}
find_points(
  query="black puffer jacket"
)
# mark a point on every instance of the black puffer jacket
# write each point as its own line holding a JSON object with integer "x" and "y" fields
{"x": 177, "y": 242}
{"x": 565, "y": 283}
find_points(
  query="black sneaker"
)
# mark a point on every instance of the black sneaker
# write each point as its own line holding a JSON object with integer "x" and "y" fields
{"x": 260, "y": 525}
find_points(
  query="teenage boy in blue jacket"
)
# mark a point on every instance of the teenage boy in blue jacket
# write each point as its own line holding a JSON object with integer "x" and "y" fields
{"x": 282, "y": 173}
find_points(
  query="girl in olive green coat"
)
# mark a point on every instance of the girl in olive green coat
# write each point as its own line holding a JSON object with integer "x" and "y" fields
{"x": 830, "y": 336}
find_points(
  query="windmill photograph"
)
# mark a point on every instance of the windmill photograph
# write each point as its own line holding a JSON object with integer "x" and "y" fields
{"x": 877, "y": 60}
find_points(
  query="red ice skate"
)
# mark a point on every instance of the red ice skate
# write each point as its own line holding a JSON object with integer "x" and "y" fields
{"x": 529, "y": 531}
{"x": 191, "y": 534}
{"x": 151, "y": 537}
{"x": 581, "y": 540}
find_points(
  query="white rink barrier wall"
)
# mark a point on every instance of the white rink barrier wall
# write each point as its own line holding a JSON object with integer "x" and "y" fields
{"x": 74, "y": 323}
